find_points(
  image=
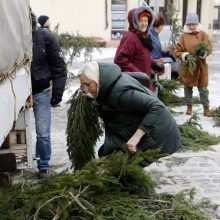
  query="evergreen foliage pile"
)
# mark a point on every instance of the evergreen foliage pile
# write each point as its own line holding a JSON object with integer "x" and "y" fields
{"x": 73, "y": 45}
{"x": 168, "y": 97}
{"x": 113, "y": 187}
{"x": 216, "y": 116}
{"x": 83, "y": 129}
{"x": 193, "y": 138}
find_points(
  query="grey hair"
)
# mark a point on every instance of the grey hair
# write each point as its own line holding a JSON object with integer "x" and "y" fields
{"x": 91, "y": 71}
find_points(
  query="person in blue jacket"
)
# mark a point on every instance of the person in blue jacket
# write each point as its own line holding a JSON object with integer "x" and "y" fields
{"x": 157, "y": 53}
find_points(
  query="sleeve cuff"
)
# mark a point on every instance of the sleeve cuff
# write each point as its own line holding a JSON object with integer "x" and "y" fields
{"x": 144, "y": 129}
{"x": 184, "y": 56}
{"x": 204, "y": 56}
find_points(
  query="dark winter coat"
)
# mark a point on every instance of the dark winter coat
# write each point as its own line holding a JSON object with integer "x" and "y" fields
{"x": 125, "y": 105}
{"x": 47, "y": 63}
{"x": 132, "y": 55}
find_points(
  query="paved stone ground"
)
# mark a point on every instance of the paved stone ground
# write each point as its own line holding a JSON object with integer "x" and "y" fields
{"x": 177, "y": 172}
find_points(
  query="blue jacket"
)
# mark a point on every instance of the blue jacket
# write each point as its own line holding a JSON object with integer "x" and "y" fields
{"x": 157, "y": 52}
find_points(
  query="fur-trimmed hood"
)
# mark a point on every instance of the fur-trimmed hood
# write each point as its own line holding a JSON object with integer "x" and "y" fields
{"x": 186, "y": 29}
{"x": 133, "y": 17}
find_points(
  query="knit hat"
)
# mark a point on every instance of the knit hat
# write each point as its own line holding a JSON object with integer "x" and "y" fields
{"x": 192, "y": 18}
{"x": 144, "y": 14}
{"x": 42, "y": 19}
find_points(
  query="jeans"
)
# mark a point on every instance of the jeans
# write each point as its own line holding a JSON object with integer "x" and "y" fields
{"x": 42, "y": 114}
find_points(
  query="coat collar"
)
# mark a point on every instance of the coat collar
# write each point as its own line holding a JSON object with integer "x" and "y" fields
{"x": 186, "y": 29}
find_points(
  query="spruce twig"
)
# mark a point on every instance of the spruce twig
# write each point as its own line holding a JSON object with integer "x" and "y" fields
{"x": 75, "y": 198}
{"x": 45, "y": 203}
{"x": 83, "y": 130}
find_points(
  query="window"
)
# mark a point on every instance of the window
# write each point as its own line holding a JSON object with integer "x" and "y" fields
{"x": 119, "y": 18}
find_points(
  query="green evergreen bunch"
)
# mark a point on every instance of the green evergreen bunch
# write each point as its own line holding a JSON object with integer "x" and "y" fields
{"x": 101, "y": 190}
{"x": 72, "y": 46}
{"x": 176, "y": 29}
{"x": 202, "y": 46}
{"x": 193, "y": 61}
{"x": 216, "y": 116}
{"x": 193, "y": 138}
{"x": 121, "y": 171}
{"x": 83, "y": 129}
{"x": 168, "y": 97}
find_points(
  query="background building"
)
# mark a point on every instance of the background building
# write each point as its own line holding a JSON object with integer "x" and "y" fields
{"x": 108, "y": 18}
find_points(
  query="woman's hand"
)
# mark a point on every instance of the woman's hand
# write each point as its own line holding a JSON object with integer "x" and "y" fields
{"x": 134, "y": 140}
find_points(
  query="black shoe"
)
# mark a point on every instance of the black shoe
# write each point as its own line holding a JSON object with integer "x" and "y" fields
{"x": 44, "y": 174}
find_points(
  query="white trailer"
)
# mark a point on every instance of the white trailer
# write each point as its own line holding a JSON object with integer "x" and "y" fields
{"x": 15, "y": 85}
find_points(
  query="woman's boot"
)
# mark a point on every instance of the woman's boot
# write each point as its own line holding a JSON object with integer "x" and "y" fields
{"x": 189, "y": 110}
{"x": 207, "y": 112}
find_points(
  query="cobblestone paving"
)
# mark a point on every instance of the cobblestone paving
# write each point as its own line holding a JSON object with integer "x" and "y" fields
{"x": 177, "y": 172}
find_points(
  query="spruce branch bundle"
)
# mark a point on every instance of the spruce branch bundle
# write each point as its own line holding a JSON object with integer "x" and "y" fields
{"x": 216, "y": 116}
{"x": 202, "y": 46}
{"x": 168, "y": 96}
{"x": 99, "y": 191}
{"x": 83, "y": 129}
{"x": 193, "y": 138}
{"x": 193, "y": 60}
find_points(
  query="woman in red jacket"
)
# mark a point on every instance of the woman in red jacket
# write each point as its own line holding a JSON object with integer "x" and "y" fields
{"x": 133, "y": 53}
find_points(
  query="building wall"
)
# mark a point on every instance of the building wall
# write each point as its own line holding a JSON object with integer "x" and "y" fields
{"x": 73, "y": 16}
{"x": 192, "y": 5}
{"x": 206, "y": 12}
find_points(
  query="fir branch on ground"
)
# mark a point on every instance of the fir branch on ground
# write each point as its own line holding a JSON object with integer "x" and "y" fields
{"x": 168, "y": 97}
{"x": 83, "y": 129}
{"x": 193, "y": 138}
{"x": 72, "y": 46}
{"x": 216, "y": 116}
{"x": 176, "y": 161}
{"x": 99, "y": 191}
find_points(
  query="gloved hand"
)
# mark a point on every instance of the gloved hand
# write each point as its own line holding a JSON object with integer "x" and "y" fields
{"x": 200, "y": 53}
{"x": 186, "y": 57}
{"x": 55, "y": 101}
{"x": 158, "y": 68}
{"x": 171, "y": 56}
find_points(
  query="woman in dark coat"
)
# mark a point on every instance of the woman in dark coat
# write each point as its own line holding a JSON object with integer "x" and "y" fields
{"x": 133, "y": 53}
{"x": 131, "y": 113}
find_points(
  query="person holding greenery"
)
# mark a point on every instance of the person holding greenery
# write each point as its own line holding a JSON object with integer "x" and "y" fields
{"x": 192, "y": 48}
{"x": 131, "y": 113}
